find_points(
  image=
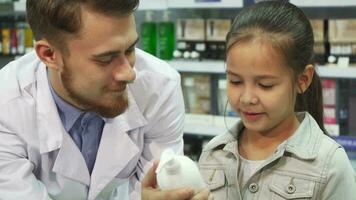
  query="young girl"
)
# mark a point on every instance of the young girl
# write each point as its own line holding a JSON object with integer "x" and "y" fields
{"x": 279, "y": 149}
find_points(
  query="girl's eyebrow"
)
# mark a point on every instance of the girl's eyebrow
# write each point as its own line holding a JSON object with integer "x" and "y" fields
{"x": 258, "y": 77}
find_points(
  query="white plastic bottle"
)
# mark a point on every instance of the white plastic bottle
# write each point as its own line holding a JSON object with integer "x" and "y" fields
{"x": 176, "y": 171}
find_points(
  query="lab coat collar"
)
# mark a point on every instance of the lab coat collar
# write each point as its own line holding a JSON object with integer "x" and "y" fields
{"x": 116, "y": 147}
{"x": 50, "y": 127}
{"x": 49, "y": 120}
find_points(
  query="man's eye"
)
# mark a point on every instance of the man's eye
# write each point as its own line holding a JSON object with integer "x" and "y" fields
{"x": 106, "y": 60}
{"x": 130, "y": 50}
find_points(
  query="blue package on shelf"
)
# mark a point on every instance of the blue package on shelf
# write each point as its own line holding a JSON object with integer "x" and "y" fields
{"x": 349, "y": 143}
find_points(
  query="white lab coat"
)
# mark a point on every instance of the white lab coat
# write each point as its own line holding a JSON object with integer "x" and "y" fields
{"x": 39, "y": 160}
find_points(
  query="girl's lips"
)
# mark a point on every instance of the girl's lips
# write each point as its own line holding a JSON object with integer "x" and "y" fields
{"x": 252, "y": 116}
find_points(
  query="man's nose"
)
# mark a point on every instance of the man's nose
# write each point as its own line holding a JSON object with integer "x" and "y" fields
{"x": 124, "y": 72}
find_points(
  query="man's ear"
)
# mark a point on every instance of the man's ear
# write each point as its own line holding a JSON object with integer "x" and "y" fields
{"x": 305, "y": 78}
{"x": 48, "y": 54}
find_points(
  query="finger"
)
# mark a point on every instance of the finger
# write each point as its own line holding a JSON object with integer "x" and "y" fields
{"x": 202, "y": 195}
{"x": 176, "y": 194}
{"x": 150, "y": 177}
{"x": 211, "y": 197}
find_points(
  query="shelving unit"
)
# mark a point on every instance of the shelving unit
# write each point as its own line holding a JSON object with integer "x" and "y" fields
{"x": 208, "y": 125}
{"x": 218, "y": 67}
{"x": 324, "y": 3}
{"x": 205, "y": 4}
{"x": 184, "y": 4}
{"x": 153, "y": 5}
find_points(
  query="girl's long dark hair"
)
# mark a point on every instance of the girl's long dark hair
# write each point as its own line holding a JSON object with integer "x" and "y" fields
{"x": 290, "y": 33}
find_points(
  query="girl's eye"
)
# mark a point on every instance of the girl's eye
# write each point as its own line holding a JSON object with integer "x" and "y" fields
{"x": 266, "y": 86}
{"x": 235, "y": 82}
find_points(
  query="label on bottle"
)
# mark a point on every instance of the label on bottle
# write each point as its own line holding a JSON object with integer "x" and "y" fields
{"x": 191, "y": 29}
{"x": 6, "y": 41}
{"x": 217, "y": 29}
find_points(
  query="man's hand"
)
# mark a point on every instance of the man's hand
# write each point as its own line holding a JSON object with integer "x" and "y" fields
{"x": 151, "y": 192}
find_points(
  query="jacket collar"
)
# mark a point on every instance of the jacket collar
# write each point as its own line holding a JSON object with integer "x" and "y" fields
{"x": 304, "y": 143}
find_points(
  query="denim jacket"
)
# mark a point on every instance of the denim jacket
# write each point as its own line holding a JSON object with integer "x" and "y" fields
{"x": 308, "y": 165}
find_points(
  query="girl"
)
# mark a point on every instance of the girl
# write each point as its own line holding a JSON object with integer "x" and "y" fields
{"x": 279, "y": 149}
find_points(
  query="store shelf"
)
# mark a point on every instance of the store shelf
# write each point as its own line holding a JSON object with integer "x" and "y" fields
{"x": 205, "y": 4}
{"x": 337, "y": 72}
{"x": 207, "y": 125}
{"x": 219, "y": 67}
{"x": 153, "y": 5}
{"x": 324, "y": 3}
{"x": 212, "y": 125}
{"x": 199, "y": 66}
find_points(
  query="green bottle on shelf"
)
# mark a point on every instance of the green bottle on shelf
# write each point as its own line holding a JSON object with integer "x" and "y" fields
{"x": 166, "y": 39}
{"x": 149, "y": 34}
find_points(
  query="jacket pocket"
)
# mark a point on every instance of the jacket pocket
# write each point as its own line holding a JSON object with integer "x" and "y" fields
{"x": 216, "y": 181}
{"x": 289, "y": 187}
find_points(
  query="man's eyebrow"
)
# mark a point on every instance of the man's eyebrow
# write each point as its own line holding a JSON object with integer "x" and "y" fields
{"x": 114, "y": 52}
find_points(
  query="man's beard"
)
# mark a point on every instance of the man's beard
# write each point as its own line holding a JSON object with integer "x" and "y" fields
{"x": 110, "y": 110}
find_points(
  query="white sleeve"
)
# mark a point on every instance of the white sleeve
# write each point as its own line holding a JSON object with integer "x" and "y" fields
{"x": 165, "y": 131}
{"x": 16, "y": 178}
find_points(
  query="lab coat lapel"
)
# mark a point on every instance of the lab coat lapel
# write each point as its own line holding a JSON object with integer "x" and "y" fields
{"x": 50, "y": 128}
{"x": 52, "y": 136}
{"x": 116, "y": 147}
{"x": 70, "y": 162}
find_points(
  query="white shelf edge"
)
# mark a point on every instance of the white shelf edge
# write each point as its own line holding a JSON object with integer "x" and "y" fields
{"x": 213, "y": 125}
{"x": 192, "y": 4}
{"x": 207, "y": 125}
{"x": 152, "y": 5}
{"x": 323, "y": 3}
{"x": 218, "y": 67}
{"x": 336, "y": 72}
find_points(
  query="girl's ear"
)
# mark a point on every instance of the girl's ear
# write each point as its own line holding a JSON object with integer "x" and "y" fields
{"x": 305, "y": 79}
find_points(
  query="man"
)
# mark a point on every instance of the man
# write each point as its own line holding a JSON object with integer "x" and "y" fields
{"x": 84, "y": 115}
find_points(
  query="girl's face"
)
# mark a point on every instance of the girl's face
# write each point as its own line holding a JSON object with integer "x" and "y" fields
{"x": 260, "y": 86}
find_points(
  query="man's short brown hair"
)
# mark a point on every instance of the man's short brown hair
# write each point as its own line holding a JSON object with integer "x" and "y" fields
{"x": 55, "y": 20}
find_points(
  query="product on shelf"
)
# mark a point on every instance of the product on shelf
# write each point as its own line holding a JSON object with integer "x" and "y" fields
{"x": 20, "y": 33}
{"x": 28, "y": 38}
{"x": 224, "y": 108}
{"x": 352, "y": 108}
{"x": 190, "y": 34}
{"x": 6, "y": 38}
{"x": 342, "y": 38}
{"x": 13, "y": 40}
{"x": 15, "y": 36}
{"x": 166, "y": 37}
{"x": 216, "y": 31}
{"x": 196, "y": 92}
{"x": 149, "y": 34}
{"x": 329, "y": 101}
{"x": 319, "y": 40}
